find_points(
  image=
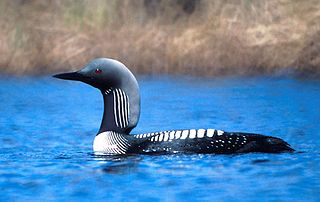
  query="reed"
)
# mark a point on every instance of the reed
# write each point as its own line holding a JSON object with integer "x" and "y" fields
{"x": 205, "y": 38}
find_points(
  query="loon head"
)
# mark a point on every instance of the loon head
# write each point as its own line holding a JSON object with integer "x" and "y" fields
{"x": 120, "y": 91}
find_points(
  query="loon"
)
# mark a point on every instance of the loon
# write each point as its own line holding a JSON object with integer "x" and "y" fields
{"x": 121, "y": 97}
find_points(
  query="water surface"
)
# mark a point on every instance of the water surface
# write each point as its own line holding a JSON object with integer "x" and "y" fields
{"x": 47, "y": 127}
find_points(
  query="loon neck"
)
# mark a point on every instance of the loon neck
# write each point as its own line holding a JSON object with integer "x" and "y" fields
{"x": 121, "y": 110}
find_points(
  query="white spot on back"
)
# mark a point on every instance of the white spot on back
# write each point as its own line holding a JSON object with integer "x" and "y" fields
{"x": 166, "y": 136}
{"x": 192, "y": 134}
{"x": 220, "y": 132}
{"x": 200, "y": 133}
{"x": 210, "y": 132}
{"x": 171, "y": 135}
{"x": 178, "y": 134}
{"x": 160, "y": 137}
{"x": 184, "y": 134}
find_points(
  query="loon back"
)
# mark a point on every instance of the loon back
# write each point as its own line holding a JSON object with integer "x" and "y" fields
{"x": 121, "y": 97}
{"x": 204, "y": 141}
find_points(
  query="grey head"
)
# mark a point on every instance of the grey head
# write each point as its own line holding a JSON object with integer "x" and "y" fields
{"x": 120, "y": 91}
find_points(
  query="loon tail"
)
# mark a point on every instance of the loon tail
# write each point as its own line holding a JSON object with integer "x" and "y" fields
{"x": 265, "y": 144}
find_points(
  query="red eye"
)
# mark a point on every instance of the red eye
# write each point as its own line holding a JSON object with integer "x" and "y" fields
{"x": 98, "y": 71}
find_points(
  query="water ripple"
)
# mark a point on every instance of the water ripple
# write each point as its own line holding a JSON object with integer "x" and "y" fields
{"x": 47, "y": 128}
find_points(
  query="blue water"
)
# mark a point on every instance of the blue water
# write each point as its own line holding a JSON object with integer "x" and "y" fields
{"x": 47, "y": 127}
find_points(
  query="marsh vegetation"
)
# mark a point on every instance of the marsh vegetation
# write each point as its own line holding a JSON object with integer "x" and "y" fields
{"x": 181, "y": 37}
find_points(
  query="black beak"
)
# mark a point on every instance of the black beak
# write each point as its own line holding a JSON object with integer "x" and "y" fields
{"x": 71, "y": 76}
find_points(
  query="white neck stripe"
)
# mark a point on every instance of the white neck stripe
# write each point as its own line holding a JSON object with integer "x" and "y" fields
{"x": 115, "y": 108}
{"x": 121, "y": 108}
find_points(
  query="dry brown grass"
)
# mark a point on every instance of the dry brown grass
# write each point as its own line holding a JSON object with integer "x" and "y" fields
{"x": 240, "y": 37}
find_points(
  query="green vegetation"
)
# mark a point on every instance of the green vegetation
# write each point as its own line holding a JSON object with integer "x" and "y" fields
{"x": 201, "y": 37}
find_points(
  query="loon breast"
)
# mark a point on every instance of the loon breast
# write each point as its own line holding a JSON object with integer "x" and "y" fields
{"x": 110, "y": 142}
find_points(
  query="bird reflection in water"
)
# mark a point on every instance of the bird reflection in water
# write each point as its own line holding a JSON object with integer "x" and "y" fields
{"x": 118, "y": 164}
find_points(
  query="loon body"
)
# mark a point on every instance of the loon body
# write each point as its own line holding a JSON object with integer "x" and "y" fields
{"x": 121, "y": 97}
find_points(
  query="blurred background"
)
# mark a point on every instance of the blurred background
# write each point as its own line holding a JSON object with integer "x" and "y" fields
{"x": 196, "y": 37}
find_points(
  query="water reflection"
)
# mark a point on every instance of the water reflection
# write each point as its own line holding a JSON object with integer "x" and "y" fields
{"x": 117, "y": 164}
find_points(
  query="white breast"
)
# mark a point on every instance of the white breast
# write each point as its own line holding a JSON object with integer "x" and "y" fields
{"x": 110, "y": 143}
